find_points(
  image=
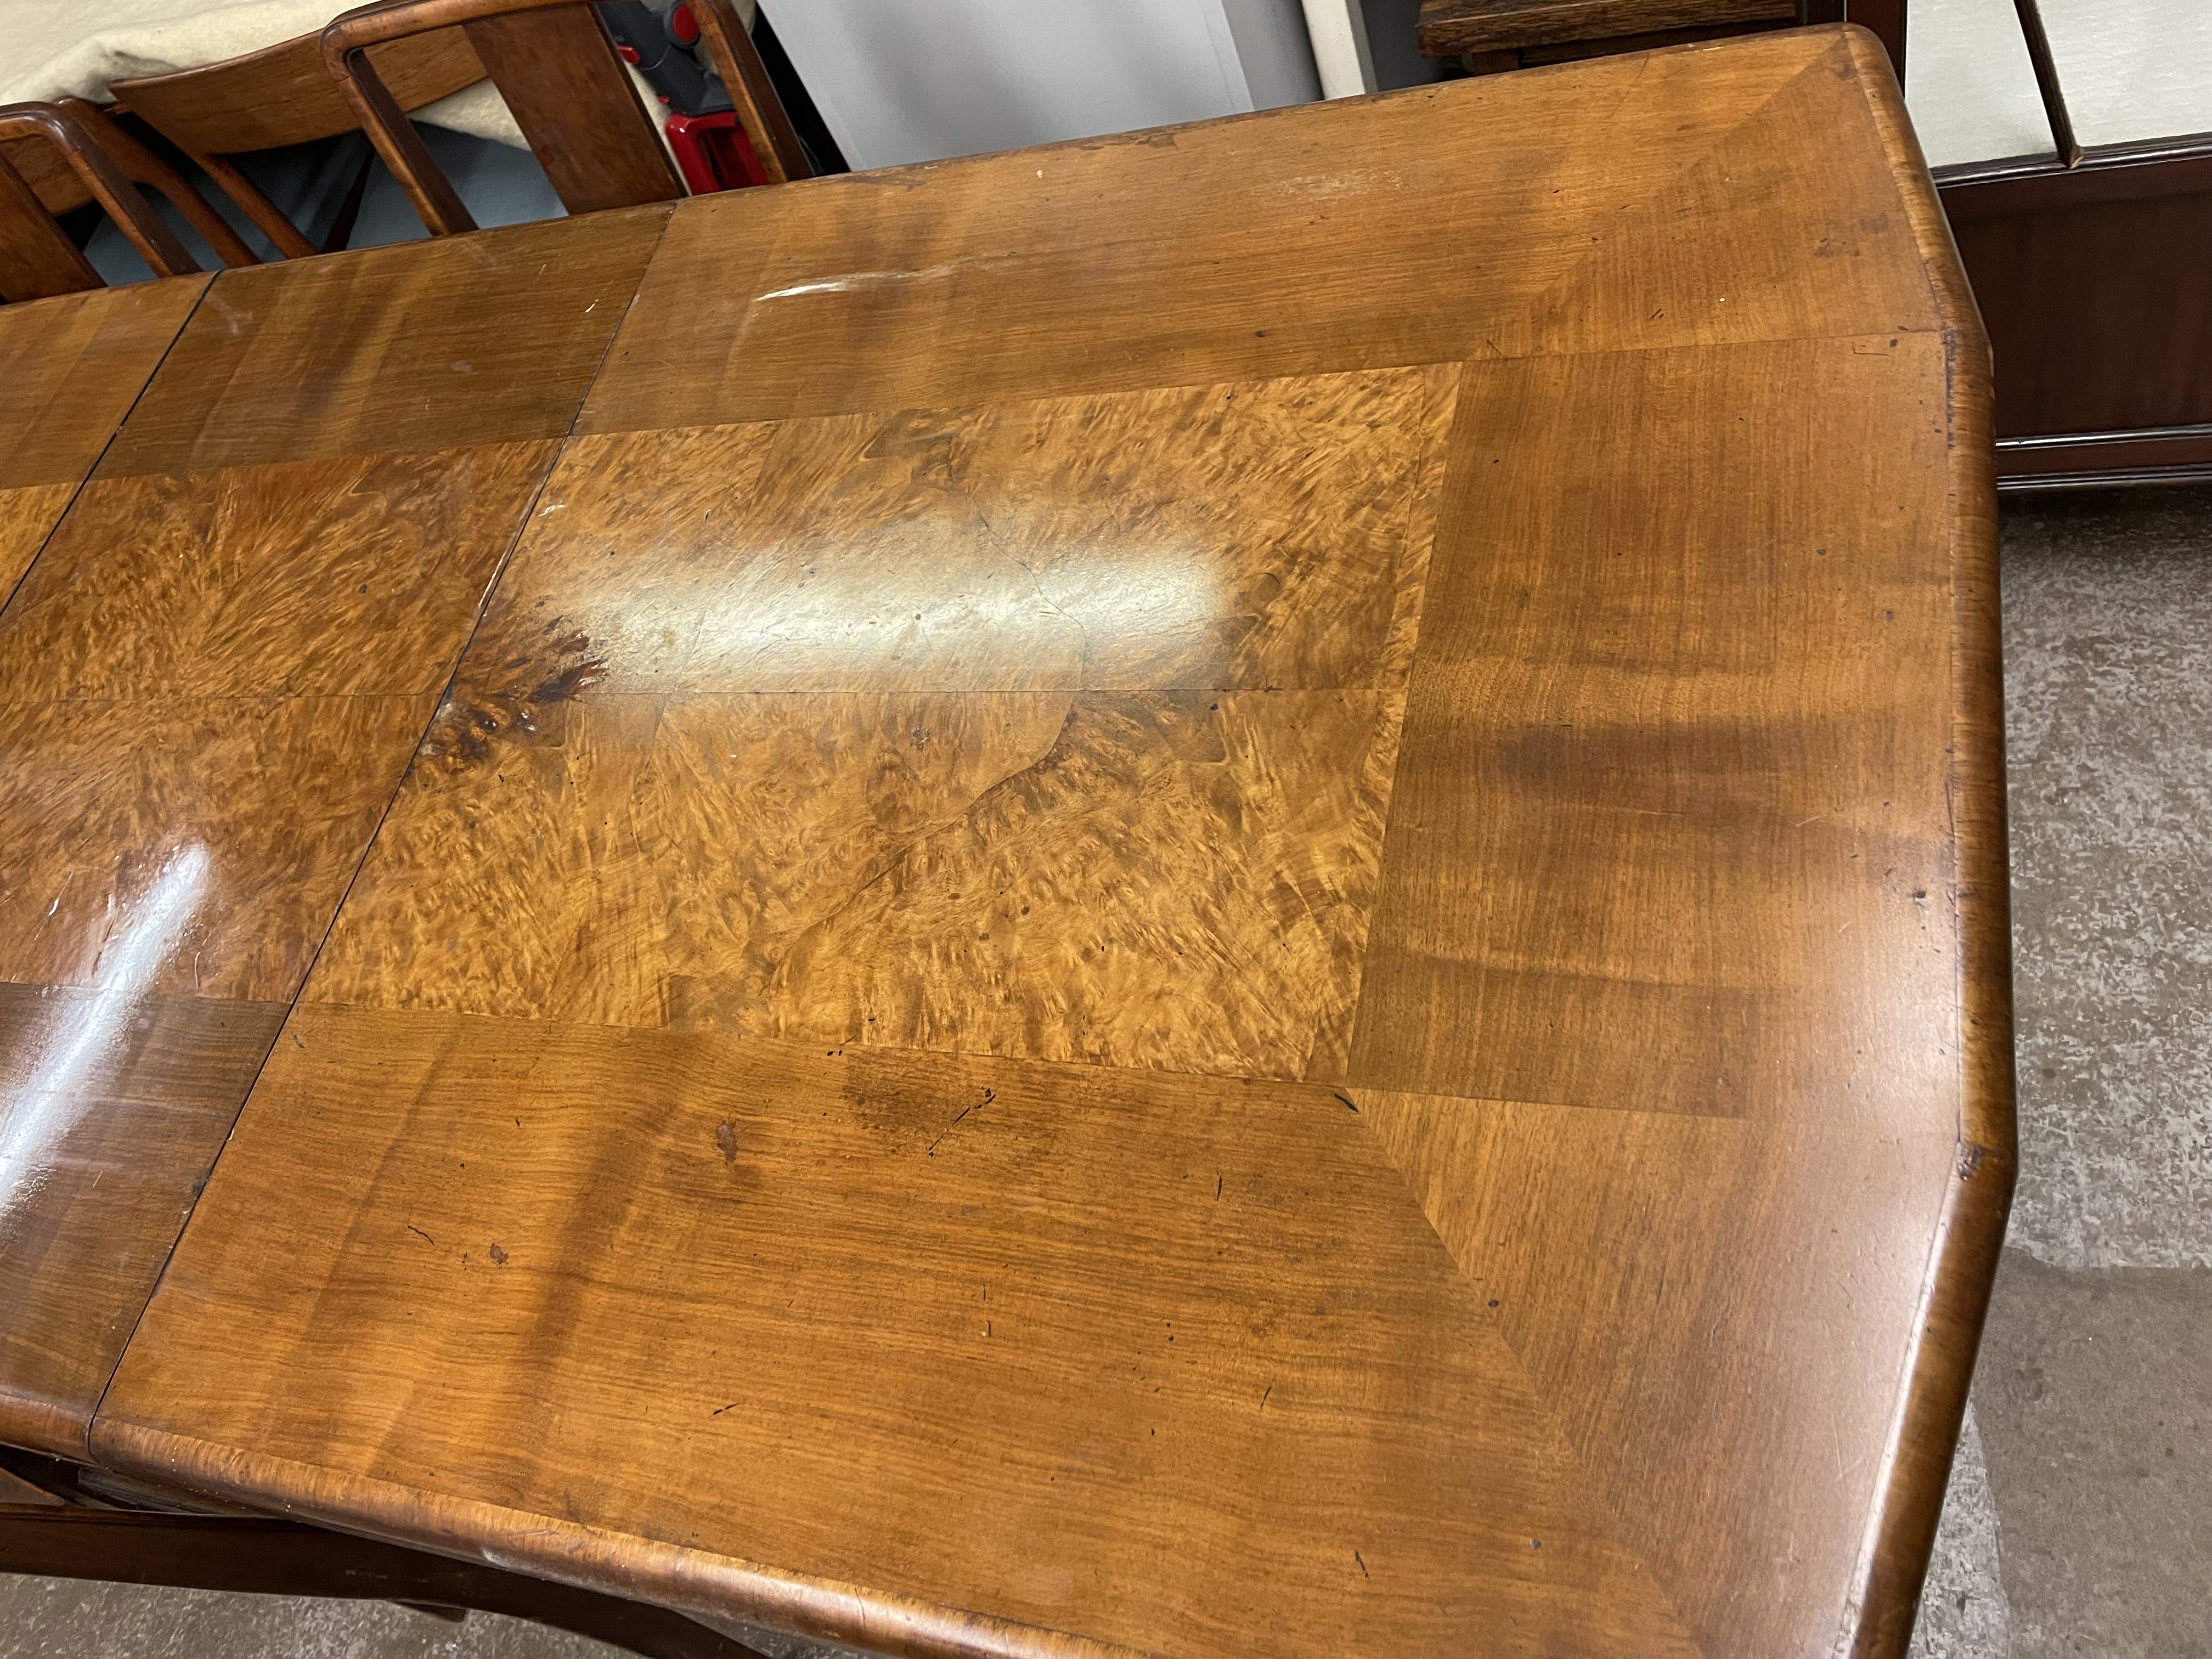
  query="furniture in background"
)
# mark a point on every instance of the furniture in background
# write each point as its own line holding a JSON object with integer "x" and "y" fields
{"x": 2095, "y": 283}
{"x": 59, "y": 1521}
{"x": 284, "y": 95}
{"x": 1489, "y": 37}
{"x": 60, "y": 187}
{"x": 2092, "y": 269}
{"x": 77, "y": 158}
{"x": 555, "y": 66}
{"x": 77, "y": 48}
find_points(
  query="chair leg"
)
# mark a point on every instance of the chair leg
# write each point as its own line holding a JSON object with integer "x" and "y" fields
{"x": 281, "y": 1558}
{"x": 265, "y": 213}
{"x": 349, "y": 214}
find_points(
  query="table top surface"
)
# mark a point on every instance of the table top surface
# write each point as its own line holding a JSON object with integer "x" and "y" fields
{"x": 1231, "y": 891}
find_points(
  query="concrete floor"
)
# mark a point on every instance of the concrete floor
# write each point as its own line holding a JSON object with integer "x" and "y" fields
{"x": 2080, "y": 1517}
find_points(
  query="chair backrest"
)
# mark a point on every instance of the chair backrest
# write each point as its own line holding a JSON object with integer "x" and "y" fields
{"x": 37, "y": 258}
{"x": 284, "y": 95}
{"x": 556, "y": 67}
{"x": 60, "y": 188}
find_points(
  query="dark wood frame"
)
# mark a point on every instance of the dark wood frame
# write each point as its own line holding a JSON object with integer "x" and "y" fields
{"x": 281, "y": 94}
{"x": 2097, "y": 280}
{"x": 554, "y": 63}
{"x": 1547, "y": 38}
{"x": 38, "y": 260}
{"x": 70, "y": 1538}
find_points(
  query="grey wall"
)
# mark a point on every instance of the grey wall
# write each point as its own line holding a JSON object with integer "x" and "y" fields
{"x": 1273, "y": 47}
{"x": 900, "y": 81}
{"x": 1398, "y": 61}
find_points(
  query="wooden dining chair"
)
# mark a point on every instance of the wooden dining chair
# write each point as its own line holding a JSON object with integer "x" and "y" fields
{"x": 60, "y": 185}
{"x": 283, "y": 94}
{"x": 63, "y": 146}
{"x": 554, "y": 63}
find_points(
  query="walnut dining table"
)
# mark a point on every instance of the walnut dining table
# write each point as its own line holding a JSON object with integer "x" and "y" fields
{"x": 1232, "y": 891}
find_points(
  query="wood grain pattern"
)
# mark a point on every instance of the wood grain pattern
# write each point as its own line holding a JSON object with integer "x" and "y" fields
{"x": 106, "y": 1095}
{"x": 1562, "y": 781}
{"x": 353, "y": 576}
{"x": 106, "y": 801}
{"x": 947, "y": 873}
{"x": 1963, "y": 1258}
{"x": 176, "y": 861}
{"x": 74, "y": 365}
{"x": 1110, "y": 265}
{"x": 418, "y": 346}
{"x": 26, "y": 517}
{"x": 1448, "y": 27}
{"x": 211, "y": 681}
{"x": 1072, "y": 544}
{"x": 1281, "y": 1343}
{"x": 1157, "y": 920}
{"x": 558, "y": 72}
{"x": 1623, "y": 1248}
{"x": 1196, "y": 685}
{"x": 281, "y": 94}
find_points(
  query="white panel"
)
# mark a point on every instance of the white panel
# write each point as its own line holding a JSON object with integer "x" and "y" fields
{"x": 1968, "y": 83}
{"x": 902, "y": 80}
{"x": 1272, "y": 44}
{"x": 1339, "y": 31}
{"x": 2141, "y": 70}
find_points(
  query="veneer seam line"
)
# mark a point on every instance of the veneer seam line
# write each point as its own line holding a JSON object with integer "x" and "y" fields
{"x": 1329, "y": 1088}
{"x": 90, "y": 471}
{"x": 1477, "y": 360}
{"x": 483, "y": 607}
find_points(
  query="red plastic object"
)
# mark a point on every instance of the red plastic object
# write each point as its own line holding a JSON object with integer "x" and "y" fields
{"x": 682, "y": 27}
{"x": 712, "y": 153}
